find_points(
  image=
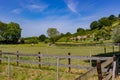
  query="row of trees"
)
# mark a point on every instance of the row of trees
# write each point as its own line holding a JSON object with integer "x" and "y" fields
{"x": 104, "y": 21}
{"x": 10, "y": 33}
{"x": 102, "y": 29}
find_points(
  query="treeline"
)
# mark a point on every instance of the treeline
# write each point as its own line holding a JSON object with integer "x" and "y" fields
{"x": 102, "y": 29}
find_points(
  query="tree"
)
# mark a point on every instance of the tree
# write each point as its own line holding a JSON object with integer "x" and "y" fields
{"x": 2, "y": 26}
{"x": 80, "y": 29}
{"x": 116, "y": 35}
{"x": 105, "y": 22}
{"x": 95, "y": 25}
{"x": 12, "y": 32}
{"x": 119, "y": 16}
{"x": 112, "y": 17}
{"x": 42, "y": 37}
{"x": 53, "y": 33}
{"x": 68, "y": 34}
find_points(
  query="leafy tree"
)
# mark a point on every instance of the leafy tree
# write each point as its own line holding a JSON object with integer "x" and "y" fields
{"x": 2, "y": 26}
{"x": 68, "y": 34}
{"x": 80, "y": 29}
{"x": 30, "y": 40}
{"x": 116, "y": 35}
{"x": 12, "y": 32}
{"x": 42, "y": 37}
{"x": 53, "y": 33}
{"x": 119, "y": 16}
{"x": 112, "y": 17}
{"x": 105, "y": 22}
{"x": 95, "y": 25}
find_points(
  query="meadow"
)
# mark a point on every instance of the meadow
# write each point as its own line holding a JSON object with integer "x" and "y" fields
{"x": 32, "y": 72}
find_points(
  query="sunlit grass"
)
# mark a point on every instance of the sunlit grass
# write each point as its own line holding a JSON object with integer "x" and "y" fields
{"x": 32, "y": 72}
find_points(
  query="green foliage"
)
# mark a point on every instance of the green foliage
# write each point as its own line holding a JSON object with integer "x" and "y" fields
{"x": 95, "y": 25}
{"x": 102, "y": 35}
{"x": 119, "y": 16}
{"x": 80, "y": 29}
{"x": 47, "y": 40}
{"x": 12, "y": 32}
{"x": 42, "y": 37}
{"x": 105, "y": 22}
{"x": 30, "y": 40}
{"x": 64, "y": 39}
{"x": 2, "y": 26}
{"x": 53, "y": 33}
{"x": 68, "y": 34}
{"x": 112, "y": 18}
{"x": 116, "y": 35}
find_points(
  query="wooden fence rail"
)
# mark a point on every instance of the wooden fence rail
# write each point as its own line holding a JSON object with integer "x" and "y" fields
{"x": 98, "y": 70}
{"x": 39, "y": 61}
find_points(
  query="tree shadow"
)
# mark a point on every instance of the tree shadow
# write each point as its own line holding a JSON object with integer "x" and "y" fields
{"x": 109, "y": 54}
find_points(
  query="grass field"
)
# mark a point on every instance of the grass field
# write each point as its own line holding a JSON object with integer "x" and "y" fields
{"x": 31, "y": 72}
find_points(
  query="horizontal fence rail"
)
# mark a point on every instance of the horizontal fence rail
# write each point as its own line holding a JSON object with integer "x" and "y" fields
{"x": 91, "y": 70}
{"x": 59, "y": 56}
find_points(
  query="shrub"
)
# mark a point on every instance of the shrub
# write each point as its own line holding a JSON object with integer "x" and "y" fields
{"x": 116, "y": 35}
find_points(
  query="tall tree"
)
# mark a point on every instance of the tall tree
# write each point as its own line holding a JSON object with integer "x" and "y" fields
{"x": 80, "y": 29}
{"x": 53, "y": 33}
{"x": 105, "y": 21}
{"x": 2, "y": 26}
{"x": 95, "y": 25}
{"x": 119, "y": 16}
{"x": 12, "y": 32}
{"x": 42, "y": 37}
{"x": 116, "y": 35}
{"x": 112, "y": 18}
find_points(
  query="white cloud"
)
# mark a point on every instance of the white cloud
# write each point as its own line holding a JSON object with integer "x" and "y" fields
{"x": 72, "y": 5}
{"x": 16, "y": 11}
{"x": 36, "y": 7}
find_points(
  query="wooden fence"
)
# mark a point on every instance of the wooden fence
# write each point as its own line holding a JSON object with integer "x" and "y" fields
{"x": 40, "y": 56}
{"x": 91, "y": 70}
{"x": 102, "y": 70}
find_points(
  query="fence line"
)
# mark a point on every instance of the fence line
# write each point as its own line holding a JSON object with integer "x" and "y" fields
{"x": 92, "y": 70}
{"x": 98, "y": 69}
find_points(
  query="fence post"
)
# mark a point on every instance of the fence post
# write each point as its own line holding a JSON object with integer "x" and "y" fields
{"x": 39, "y": 59}
{"x": 17, "y": 58}
{"x": 57, "y": 78}
{"x": 0, "y": 56}
{"x": 99, "y": 71}
{"x": 114, "y": 67}
{"x": 104, "y": 49}
{"x": 69, "y": 62}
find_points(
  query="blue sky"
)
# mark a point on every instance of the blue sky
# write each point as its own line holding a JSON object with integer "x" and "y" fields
{"x": 36, "y": 16}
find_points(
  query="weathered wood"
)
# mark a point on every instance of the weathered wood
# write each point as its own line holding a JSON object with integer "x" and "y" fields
{"x": 108, "y": 77}
{"x": 69, "y": 62}
{"x": 39, "y": 59}
{"x": 0, "y": 56}
{"x": 114, "y": 68}
{"x": 17, "y": 58}
{"x": 87, "y": 75}
{"x": 59, "y": 56}
{"x": 99, "y": 70}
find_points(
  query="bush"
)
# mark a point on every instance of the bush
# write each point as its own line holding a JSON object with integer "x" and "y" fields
{"x": 47, "y": 40}
{"x": 116, "y": 35}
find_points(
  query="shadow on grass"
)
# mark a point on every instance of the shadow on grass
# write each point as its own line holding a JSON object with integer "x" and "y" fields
{"x": 110, "y": 54}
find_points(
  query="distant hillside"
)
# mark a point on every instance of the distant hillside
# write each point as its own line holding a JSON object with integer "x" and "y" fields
{"x": 100, "y": 30}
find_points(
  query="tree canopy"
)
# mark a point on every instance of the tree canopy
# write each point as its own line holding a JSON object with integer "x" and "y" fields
{"x": 10, "y": 32}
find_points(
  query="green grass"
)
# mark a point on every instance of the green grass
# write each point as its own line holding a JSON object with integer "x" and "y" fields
{"x": 31, "y": 72}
